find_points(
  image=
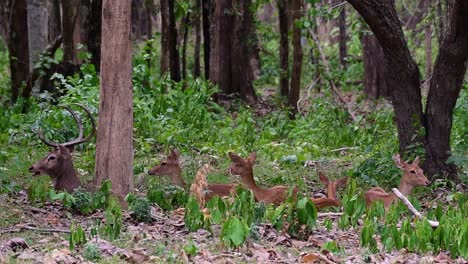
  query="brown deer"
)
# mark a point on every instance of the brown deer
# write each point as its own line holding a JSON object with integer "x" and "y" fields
{"x": 277, "y": 194}
{"x": 171, "y": 167}
{"x": 413, "y": 176}
{"x": 332, "y": 186}
{"x": 58, "y": 163}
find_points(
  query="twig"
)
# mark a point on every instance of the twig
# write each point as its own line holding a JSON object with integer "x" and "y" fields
{"x": 343, "y": 148}
{"x": 306, "y": 97}
{"x": 329, "y": 214}
{"x": 332, "y": 83}
{"x": 31, "y": 228}
{"x": 411, "y": 207}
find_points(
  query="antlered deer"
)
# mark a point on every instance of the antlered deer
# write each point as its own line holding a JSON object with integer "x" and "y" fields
{"x": 58, "y": 163}
{"x": 413, "y": 176}
{"x": 278, "y": 194}
{"x": 171, "y": 167}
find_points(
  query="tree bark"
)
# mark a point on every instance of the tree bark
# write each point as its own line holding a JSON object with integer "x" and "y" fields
{"x": 164, "y": 60}
{"x": 343, "y": 37}
{"x": 284, "y": 47}
{"x": 293, "y": 97}
{"x": 37, "y": 29}
{"x": 206, "y": 11}
{"x": 185, "y": 27}
{"x": 55, "y": 22}
{"x": 428, "y": 48}
{"x": 374, "y": 69}
{"x": 94, "y": 33}
{"x": 196, "y": 22}
{"x": 114, "y": 146}
{"x": 401, "y": 71}
{"x": 18, "y": 49}
{"x": 172, "y": 42}
{"x": 446, "y": 83}
{"x": 69, "y": 12}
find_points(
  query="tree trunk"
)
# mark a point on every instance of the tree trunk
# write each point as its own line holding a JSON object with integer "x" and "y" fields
{"x": 401, "y": 71}
{"x": 446, "y": 82}
{"x": 374, "y": 69}
{"x": 293, "y": 97}
{"x": 164, "y": 60}
{"x": 284, "y": 47}
{"x": 37, "y": 29}
{"x": 149, "y": 5}
{"x": 94, "y": 33}
{"x": 18, "y": 49}
{"x": 343, "y": 37}
{"x": 69, "y": 8}
{"x": 206, "y": 11}
{"x": 114, "y": 146}
{"x": 428, "y": 48}
{"x": 174, "y": 64}
{"x": 55, "y": 22}
{"x": 185, "y": 27}
{"x": 196, "y": 22}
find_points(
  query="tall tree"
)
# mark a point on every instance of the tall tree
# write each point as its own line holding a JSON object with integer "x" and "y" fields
{"x": 374, "y": 70}
{"x": 37, "y": 29}
{"x": 170, "y": 52}
{"x": 293, "y": 97}
{"x": 114, "y": 146}
{"x": 18, "y": 49}
{"x": 196, "y": 23}
{"x": 206, "y": 11}
{"x": 431, "y": 129}
{"x": 94, "y": 32}
{"x": 69, "y": 15}
{"x": 284, "y": 47}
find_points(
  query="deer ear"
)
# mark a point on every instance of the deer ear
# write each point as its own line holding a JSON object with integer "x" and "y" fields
{"x": 323, "y": 179}
{"x": 235, "y": 158}
{"x": 416, "y": 161}
{"x": 398, "y": 162}
{"x": 63, "y": 151}
{"x": 341, "y": 182}
{"x": 252, "y": 157}
{"x": 70, "y": 148}
{"x": 174, "y": 155}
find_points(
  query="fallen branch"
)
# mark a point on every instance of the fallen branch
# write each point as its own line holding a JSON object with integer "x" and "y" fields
{"x": 411, "y": 207}
{"x": 329, "y": 214}
{"x": 31, "y": 228}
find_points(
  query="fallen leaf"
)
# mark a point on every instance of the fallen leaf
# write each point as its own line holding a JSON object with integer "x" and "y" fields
{"x": 311, "y": 258}
{"x": 138, "y": 256}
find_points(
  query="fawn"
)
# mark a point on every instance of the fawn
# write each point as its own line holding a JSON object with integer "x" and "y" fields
{"x": 171, "y": 167}
{"x": 413, "y": 176}
{"x": 58, "y": 163}
{"x": 278, "y": 194}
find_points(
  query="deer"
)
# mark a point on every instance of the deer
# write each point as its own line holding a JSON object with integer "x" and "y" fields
{"x": 278, "y": 194}
{"x": 413, "y": 176}
{"x": 171, "y": 167}
{"x": 58, "y": 163}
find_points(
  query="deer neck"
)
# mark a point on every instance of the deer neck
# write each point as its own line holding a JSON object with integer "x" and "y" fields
{"x": 405, "y": 188}
{"x": 248, "y": 180}
{"x": 176, "y": 178}
{"x": 65, "y": 178}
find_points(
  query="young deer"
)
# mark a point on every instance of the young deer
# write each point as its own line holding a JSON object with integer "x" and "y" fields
{"x": 277, "y": 194}
{"x": 332, "y": 186}
{"x": 171, "y": 167}
{"x": 58, "y": 163}
{"x": 413, "y": 176}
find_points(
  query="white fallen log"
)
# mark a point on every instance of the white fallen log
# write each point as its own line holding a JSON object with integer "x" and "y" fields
{"x": 411, "y": 207}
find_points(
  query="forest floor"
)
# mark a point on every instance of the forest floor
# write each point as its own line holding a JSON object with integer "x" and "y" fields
{"x": 43, "y": 238}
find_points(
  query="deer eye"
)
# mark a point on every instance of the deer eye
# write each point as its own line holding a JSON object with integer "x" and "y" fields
{"x": 51, "y": 158}
{"x": 413, "y": 172}
{"x": 163, "y": 163}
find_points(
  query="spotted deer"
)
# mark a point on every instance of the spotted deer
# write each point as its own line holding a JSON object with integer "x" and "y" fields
{"x": 58, "y": 163}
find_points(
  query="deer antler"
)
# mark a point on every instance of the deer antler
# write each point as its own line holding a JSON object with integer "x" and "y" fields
{"x": 80, "y": 138}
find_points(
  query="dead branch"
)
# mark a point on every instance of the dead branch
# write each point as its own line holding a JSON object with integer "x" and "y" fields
{"x": 411, "y": 207}
{"x": 329, "y": 214}
{"x": 332, "y": 83}
{"x": 31, "y": 228}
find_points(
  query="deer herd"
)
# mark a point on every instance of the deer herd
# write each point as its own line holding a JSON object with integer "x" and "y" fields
{"x": 58, "y": 164}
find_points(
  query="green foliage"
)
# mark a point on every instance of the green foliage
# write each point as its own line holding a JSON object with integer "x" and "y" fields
{"x": 141, "y": 209}
{"x": 234, "y": 231}
{"x": 167, "y": 197}
{"x": 92, "y": 252}
{"x": 77, "y": 236}
{"x": 194, "y": 218}
{"x": 113, "y": 216}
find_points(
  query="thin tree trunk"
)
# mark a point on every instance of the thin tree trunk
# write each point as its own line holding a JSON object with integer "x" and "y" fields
{"x": 37, "y": 29}
{"x": 374, "y": 70}
{"x": 172, "y": 42}
{"x": 149, "y": 24}
{"x": 428, "y": 48}
{"x": 164, "y": 61}
{"x": 54, "y": 27}
{"x": 18, "y": 49}
{"x": 284, "y": 47}
{"x": 447, "y": 79}
{"x": 68, "y": 19}
{"x": 185, "y": 27}
{"x": 94, "y": 33}
{"x": 196, "y": 22}
{"x": 294, "y": 90}
{"x": 343, "y": 37}
{"x": 114, "y": 145}
{"x": 206, "y": 7}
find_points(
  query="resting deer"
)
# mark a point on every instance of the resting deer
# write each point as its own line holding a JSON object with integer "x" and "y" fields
{"x": 58, "y": 163}
{"x": 413, "y": 176}
{"x": 171, "y": 167}
{"x": 277, "y": 194}
{"x": 332, "y": 186}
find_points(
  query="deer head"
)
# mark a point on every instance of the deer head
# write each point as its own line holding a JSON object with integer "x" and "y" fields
{"x": 170, "y": 167}
{"x": 413, "y": 175}
{"x": 58, "y": 163}
{"x": 332, "y": 185}
{"x": 242, "y": 166}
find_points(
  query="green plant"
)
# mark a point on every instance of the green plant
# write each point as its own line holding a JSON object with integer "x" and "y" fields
{"x": 77, "y": 236}
{"x": 194, "y": 218}
{"x": 141, "y": 209}
{"x": 92, "y": 252}
{"x": 113, "y": 216}
{"x": 167, "y": 197}
{"x": 234, "y": 232}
